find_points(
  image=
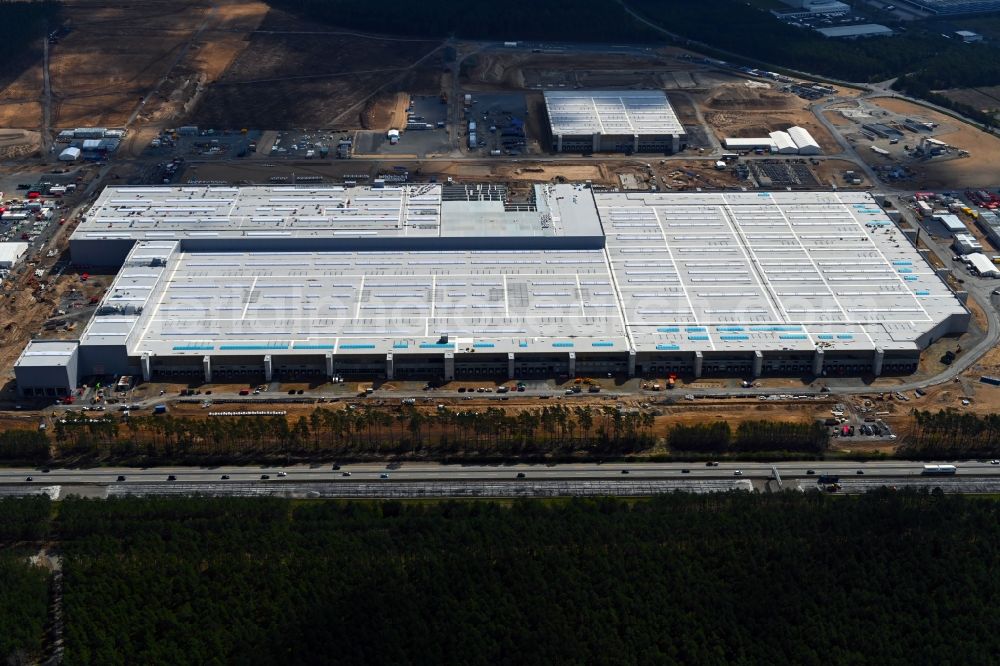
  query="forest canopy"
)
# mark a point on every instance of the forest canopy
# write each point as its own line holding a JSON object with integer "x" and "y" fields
{"x": 887, "y": 578}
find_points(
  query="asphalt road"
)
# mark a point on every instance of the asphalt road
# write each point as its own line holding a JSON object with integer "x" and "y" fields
{"x": 428, "y": 472}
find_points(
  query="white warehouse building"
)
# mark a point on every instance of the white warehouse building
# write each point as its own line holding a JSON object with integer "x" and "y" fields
{"x": 618, "y": 121}
{"x": 443, "y": 281}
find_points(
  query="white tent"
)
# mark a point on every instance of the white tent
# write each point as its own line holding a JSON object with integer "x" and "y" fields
{"x": 784, "y": 143}
{"x": 69, "y": 155}
{"x": 10, "y": 253}
{"x": 804, "y": 141}
{"x": 982, "y": 265}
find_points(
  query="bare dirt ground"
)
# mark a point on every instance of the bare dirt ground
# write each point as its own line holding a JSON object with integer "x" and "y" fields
{"x": 978, "y": 170}
{"x": 289, "y": 79}
{"x": 16, "y": 143}
{"x": 741, "y": 97}
{"x": 671, "y": 175}
{"x": 986, "y": 99}
{"x": 837, "y": 118}
{"x": 666, "y": 416}
{"x": 520, "y": 70}
{"x": 115, "y": 54}
{"x": 832, "y": 171}
{"x": 385, "y": 111}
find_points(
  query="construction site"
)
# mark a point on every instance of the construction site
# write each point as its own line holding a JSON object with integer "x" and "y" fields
{"x": 198, "y": 96}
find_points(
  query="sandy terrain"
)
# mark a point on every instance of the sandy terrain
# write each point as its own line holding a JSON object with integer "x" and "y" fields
{"x": 980, "y": 169}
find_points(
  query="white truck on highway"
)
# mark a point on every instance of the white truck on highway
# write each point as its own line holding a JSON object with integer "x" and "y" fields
{"x": 939, "y": 470}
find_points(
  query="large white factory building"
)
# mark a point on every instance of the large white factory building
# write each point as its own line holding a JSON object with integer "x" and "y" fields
{"x": 433, "y": 281}
{"x": 617, "y": 121}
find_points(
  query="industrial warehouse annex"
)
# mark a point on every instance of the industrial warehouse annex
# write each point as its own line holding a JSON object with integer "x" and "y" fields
{"x": 452, "y": 281}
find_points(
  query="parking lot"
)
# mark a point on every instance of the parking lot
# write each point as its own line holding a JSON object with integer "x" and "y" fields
{"x": 426, "y": 134}
{"x": 500, "y": 123}
{"x": 205, "y": 144}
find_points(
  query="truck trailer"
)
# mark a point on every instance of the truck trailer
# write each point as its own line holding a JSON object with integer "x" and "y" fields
{"x": 939, "y": 470}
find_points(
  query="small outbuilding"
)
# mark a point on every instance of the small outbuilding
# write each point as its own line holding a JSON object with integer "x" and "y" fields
{"x": 71, "y": 154}
{"x": 981, "y": 264}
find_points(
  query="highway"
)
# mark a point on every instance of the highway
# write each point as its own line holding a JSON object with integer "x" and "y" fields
{"x": 428, "y": 472}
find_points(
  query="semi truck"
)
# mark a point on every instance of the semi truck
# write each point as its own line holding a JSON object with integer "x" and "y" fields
{"x": 939, "y": 470}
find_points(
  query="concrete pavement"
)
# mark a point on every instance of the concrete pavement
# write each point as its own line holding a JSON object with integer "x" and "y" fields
{"x": 439, "y": 472}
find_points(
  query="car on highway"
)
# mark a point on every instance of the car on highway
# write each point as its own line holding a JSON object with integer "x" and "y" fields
{"x": 520, "y": 475}
{"x": 282, "y": 474}
{"x": 738, "y": 473}
{"x": 995, "y": 462}
{"x": 121, "y": 477}
{"x": 624, "y": 471}
{"x": 711, "y": 463}
{"x": 45, "y": 470}
{"x": 685, "y": 471}
{"x": 265, "y": 477}
{"x": 29, "y": 479}
{"x": 810, "y": 472}
{"x": 225, "y": 477}
{"x": 383, "y": 475}
{"x": 860, "y": 471}
{"x": 345, "y": 473}
{"x": 171, "y": 478}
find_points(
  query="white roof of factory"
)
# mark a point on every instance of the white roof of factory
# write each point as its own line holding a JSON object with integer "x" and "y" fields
{"x": 680, "y": 272}
{"x": 862, "y": 30}
{"x": 47, "y": 353}
{"x": 238, "y": 303}
{"x": 11, "y": 252}
{"x": 613, "y": 112}
{"x": 326, "y": 212}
